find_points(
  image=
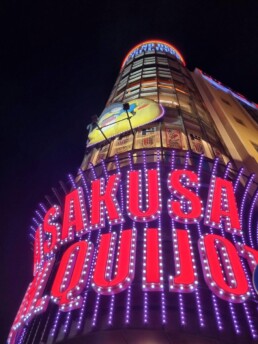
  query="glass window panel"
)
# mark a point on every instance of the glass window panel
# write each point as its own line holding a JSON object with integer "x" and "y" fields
{"x": 168, "y": 99}
{"x": 121, "y": 144}
{"x": 173, "y": 137}
{"x": 177, "y": 77}
{"x": 147, "y": 137}
{"x": 185, "y": 103}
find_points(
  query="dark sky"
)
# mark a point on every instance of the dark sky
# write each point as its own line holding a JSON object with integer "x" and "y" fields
{"x": 59, "y": 61}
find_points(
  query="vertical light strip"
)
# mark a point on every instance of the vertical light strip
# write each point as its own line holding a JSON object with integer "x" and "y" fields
{"x": 145, "y": 307}
{"x": 71, "y": 179}
{"x": 128, "y": 296}
{"x": 145, "y": 294}
{"x": 249, "y": 319}
{"x": 180, "y": 296}
{"x": 67, "y": 321}
{"x": 213, "y": 297}
{"x": 22, "y": 337}
{"x": 197, "y": 294}
{"x": 163, "y": 299}
{"x": 247, "y": 188}
{"x": 234, "y": 318}
{"x": 54, "y": 327}
{"x": 96, "y": 307}
{"x": 253, "y": 204}
{"x": 69, "y": 314}
{"x": 85, "y": 295}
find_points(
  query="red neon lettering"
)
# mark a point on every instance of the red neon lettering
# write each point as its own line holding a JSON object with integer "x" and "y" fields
{"x": 152, "y": 272}
{"x": 250, "y": 254}
{"x": 75, "y": 217}
{"x": 105, "y": 198}
{"x": 135, "y": 196}
{"x": 222, "y": 206}
{"x": 72, "y": 275}
{"x": 188, "y": 208}
{"x": 38, "y": 251}
{"x": 103, "y": 283}
{"x": 186, "y": 277}
{"x": 33, "y": 303}
{"x": 222, "y": 268}
{"x": 51, "y": 230}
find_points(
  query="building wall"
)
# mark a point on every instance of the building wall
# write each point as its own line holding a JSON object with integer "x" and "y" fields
{"x": 238, "y": 129}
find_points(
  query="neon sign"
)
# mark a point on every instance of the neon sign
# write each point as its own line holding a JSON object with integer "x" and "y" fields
{"x": 121, "y": 208}
{"x": 153, "y": 45}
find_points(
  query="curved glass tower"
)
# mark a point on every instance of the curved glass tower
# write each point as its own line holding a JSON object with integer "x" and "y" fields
{"x": 155, "y": 70}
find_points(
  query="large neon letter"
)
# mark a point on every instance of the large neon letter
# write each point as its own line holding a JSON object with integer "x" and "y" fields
{"x": 105, "y": 198}
{"x": 103, "y": 282}
{"x": 72, "y": 275}
{"x": 222, "y": 206}
{"x": 222, "y": 268}
{"x": 152, "y": 260}
{"x": 185, "y": 279}
{"x": 51, "y": 231}
{"x": 75, "y": 217}
{"x": 188, "y": 208}
{"x": 152, "y": 196}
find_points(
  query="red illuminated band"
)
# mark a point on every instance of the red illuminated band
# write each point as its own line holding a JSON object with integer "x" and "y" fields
{"x": 188, "y": 208}
{"x": 104, "y": 198}
{"x": 222, "y": 206}
{"x": 103, "y": 283}
{"x": 135, "y": 197}
{"x": 75, "y": 217}
{"x": 152, "y": 260}
{"x": 72, "y": 275}
{"x": 51, "y": 231}
{"x": 185, "y": 279}
{"x": 222, "y": 268}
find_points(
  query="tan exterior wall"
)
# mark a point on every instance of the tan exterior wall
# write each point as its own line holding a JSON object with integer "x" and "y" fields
{"x": 237, "y": 129}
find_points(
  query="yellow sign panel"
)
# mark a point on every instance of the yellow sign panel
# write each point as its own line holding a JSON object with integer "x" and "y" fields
{"x": 114, "y": 120}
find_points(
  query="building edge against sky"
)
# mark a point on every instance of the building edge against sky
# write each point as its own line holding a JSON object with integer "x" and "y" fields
{"x": 164, "y": 129}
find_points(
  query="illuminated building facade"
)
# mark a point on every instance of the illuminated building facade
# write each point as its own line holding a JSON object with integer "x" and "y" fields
{"x": 154, "y": 241}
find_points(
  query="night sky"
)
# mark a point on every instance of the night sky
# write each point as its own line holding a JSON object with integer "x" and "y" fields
{"x": 59, "y": 61}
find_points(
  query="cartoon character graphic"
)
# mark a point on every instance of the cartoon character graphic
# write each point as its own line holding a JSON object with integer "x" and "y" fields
{"x": 114, "y": 120}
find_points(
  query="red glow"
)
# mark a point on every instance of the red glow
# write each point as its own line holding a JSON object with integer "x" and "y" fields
{"x": 105, "y": 198}
{"x": 153, "y": 261}
{"x": 103, "y": 282}
{"x": 74, "y": 217}
{"x": 153, "y": 204}
{"x": 222, "y": 268}
{"x": 37, "y": 258}
{"x": 71, "y": 276}
{"x": 176, "y": 207}
{"x": 51, "y": 230}
{"x": 186, "y": 278}
{"x": 223, "y": 206}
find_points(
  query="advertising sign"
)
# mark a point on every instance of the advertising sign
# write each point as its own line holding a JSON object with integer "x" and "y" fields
{"x": 170, "y": 241}
{"x": 114, "y": 120}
